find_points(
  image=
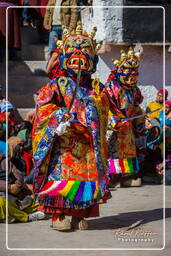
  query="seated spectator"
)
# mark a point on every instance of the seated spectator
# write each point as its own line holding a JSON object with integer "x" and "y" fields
{"x": 157, "y": 104}
{"x": 2, "y": 131}
{"x": 20, "y": 204}
{"x": 167, "y": 115}
{"x": 168, "y": 157}
{"x": 6, "y": 107}
{"x": 21, "y": 157}
{"x": 152, "y": 152}
{"x": 3, "y": 146}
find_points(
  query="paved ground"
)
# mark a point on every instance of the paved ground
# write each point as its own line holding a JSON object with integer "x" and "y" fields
{"x": 132, "y": 219}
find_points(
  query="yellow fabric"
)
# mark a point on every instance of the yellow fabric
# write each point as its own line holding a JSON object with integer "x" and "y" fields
{"x": 153, "y": 106}
{"x": 125, "y": 162}
{"x": 19, "y": 215}
{"x": 32, "y": 208}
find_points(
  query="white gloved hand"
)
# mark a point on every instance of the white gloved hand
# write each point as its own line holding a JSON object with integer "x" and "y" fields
{"x": 62, "y": 128}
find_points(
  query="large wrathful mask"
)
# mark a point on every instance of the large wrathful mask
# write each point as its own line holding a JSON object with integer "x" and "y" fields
{"x": 127, "y": 68}
{"x": 76, "y": 47}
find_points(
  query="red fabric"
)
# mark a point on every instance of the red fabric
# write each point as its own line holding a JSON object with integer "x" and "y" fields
{"x": 14, "y": 37}
{"x": 55, "y": 72}
{"x": 28, "y": 161}
{"x": 91, "y": 211}
{"x": 40, "y": 11}
{"x": 2, "y": 117}
{"x": 162, "y": 91}
{"x": 11, "y": 121}
{"x": 112, "y": 76}
{"x": 21, "y": 2}
{"x": 168, "y": 102}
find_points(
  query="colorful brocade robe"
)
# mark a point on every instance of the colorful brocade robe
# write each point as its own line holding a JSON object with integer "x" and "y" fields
{"x": 122, "y": 145}
{"x": 71, "y": 171}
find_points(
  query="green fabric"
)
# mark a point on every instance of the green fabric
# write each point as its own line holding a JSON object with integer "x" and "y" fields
{"x": 168, "y": 133}
{"x": 19, "y": 215}
{"x": 22, "y": 134}
{"x": 4, "y": 128}
{"x": 32, "y": 208}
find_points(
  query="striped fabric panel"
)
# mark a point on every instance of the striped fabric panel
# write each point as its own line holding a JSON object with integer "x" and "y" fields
{"x": 76, "y": 191}
{"x": 126, "y": 165}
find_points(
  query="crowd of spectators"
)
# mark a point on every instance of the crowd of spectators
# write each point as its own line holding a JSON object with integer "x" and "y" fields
{"x": 16, "y": 167}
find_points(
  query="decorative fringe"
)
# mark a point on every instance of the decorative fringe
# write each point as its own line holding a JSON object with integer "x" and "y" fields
{"x": 126, "y": 165}
{"x": 74, "y": 191}
{"x": 87, "y": 193}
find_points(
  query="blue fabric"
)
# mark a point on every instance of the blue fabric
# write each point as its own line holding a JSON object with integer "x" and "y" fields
{"x": 56, "y": 31}
{"x": 5, "y": 105}
{"x": 3, "y": 146}
{"x": 161, "y": 118}
{"x": 168, "y": 122}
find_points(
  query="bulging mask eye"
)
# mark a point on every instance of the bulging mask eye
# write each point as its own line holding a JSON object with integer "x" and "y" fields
{"x": 127, "y": 70}
{"x": 70, "y": 49}
{"x": 85, "y": 50}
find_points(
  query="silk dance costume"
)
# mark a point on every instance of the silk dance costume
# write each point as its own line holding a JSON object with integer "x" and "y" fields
{"x": 71, "y": 167}
{"x": 122, "y": 88}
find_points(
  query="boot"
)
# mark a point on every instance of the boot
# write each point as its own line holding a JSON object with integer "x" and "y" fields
{"x": 79, "y": 223}
{"x": 132, "y": 183}
{"x": 61, "y": 224}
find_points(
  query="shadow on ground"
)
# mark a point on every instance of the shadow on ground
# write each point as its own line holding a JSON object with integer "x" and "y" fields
{"x": 129, "y": 219}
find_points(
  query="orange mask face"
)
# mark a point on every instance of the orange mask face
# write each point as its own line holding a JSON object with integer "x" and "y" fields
{"x": 78, "y": 48}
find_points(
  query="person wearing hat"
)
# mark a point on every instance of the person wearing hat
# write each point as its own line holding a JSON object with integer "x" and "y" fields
{"x": 162, "y": 95}
{"x": 166, "y": 115}
{"x": 4, "y": 104}
{"x": 6, "y": 107}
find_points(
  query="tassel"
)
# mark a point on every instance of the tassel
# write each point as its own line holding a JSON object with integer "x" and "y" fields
{"x": 73, "y": 190}
{"x": 87, "y": 193}
{"x": 96, "y": 191}
{"x": 80, "y": 191}
{"x": 93, "y": 187}
{"x": 130, "y": 165}
{"x": 117, "y": 166}
{"x": 125, "y": 163}
{"x": 67, "y": 188}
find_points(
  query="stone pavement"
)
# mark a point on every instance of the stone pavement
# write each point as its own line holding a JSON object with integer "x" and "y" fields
{"x": 132, "y": 219}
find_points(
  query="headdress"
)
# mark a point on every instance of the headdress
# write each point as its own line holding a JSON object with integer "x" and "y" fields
{"x": 76, "y": 46}
{"x": 131, "y": 59}
{"x": 79, "y": 32}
